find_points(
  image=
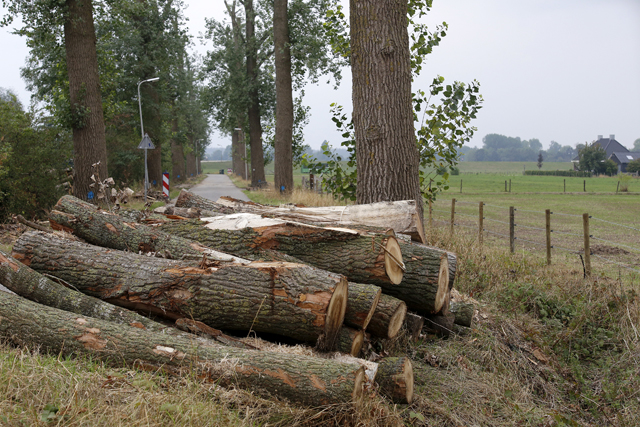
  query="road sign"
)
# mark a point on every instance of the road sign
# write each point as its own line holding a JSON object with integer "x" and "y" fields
{"x": 146, "y": 143}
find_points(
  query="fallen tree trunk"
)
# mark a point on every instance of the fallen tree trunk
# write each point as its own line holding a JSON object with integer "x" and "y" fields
{"x": 463, "y": 312}
{"x": 187, "y": 199}
{"x": 302, "y": 379}
{"x": 293, "y": 300}
{"x": 425, "y": 283}
{"x": 400, "y": 216}
{"x": 362, "y": 303}
{"x": 180, "y": 212}
{"x": 32, "y": 285}
{"x": 388, "y": 317}
{"x": 107, "y": 229}
{"x": 350, "y": 341}
{"x": 395, "y": 378}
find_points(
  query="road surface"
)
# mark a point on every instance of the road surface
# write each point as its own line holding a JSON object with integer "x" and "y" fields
{"x": 215, "y": 186}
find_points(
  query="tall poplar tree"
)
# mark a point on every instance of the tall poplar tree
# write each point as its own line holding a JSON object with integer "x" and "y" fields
{"x": 84, "y": 113}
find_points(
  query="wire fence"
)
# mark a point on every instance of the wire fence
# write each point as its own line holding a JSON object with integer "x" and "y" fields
{"x": 606, "y": 241}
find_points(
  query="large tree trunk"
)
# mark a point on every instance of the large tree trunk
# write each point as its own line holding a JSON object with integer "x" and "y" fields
{"x": 110, "y": 230}
{"x": 424, "y": 285}
{"x": 177, "y": 157}
{"x": 237, "y": 153}
{"x": 32, "y": 285}
{"x": 89, "y": 139}
{"x": 186, "y": 199}
{"x": 400, "y": 216}
{"x": 363, "y": 259}
{"x": 191, "y": 164}
{"x": 302, "y": 379}
{"x": 388, "y": 158}
{"x": 255, "y": 127}
{"x": 283, "y": 155}
{"x": 293, "y": 300}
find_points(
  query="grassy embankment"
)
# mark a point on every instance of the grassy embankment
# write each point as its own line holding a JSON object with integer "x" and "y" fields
{"x": 549, "y": 348}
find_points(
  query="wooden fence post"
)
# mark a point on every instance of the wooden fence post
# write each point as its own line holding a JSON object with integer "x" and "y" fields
{"x": 618, "y": 186}
{"x": 547, "y": 214}
{"x": 587, "y": 249}
{"x": 512, "y": 229}
{"x": 480, "y": 222}
{"x": 453, "y": 214}
{"x": 505, "y": 185}
{"x": 584, "y": 185}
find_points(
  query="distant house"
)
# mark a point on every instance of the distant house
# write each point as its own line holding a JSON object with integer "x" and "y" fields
{"x": 622, "y": 159}
{"x": 614, "y": 151}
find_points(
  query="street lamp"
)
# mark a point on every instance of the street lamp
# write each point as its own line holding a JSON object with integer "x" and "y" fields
{"x": 146, "y": 171}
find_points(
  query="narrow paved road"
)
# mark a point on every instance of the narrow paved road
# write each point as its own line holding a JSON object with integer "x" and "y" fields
{"x": 215, "y": 186}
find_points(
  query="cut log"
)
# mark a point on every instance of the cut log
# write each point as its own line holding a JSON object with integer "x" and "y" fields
{"x": 395, "y": 378}
{"x": 187, "y": 199}
{"x": 107, "y": 229}
{"x": 363, "y": 259}
{"x": 32, "y": 285}
{"x": 302, "y": 379}
{"x": 413, "y": 323}
{"x": 401, "y": 216}
{"x": 293, "y": 300}
{"x": 440, "y": 324}
{"x": 181, "y": 212}
{"x": 463, "y": 312}
{"x": 424, "y": 285}
{"x": 350, "y": 341}
{"x": 388, "y": 317}
{"x": 362, "y": 303}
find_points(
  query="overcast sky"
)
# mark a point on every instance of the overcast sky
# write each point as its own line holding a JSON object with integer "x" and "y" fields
{"x": 564, "y": 71}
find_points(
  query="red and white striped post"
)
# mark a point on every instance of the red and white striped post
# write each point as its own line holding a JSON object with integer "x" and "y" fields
{"x": 165, "y": 184}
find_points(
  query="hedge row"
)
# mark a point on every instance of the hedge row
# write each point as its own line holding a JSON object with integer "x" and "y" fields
{"x": 579, "y": 174}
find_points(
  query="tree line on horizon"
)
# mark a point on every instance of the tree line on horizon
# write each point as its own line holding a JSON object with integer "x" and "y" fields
{"x": 501, "y": 148}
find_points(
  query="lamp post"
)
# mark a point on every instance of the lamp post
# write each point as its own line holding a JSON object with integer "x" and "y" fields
{"x": 146, "y": 171}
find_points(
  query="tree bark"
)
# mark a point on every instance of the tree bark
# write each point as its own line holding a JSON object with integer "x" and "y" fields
{"x": 425, "y": 284}
{"x": 283, "y": 145}
{"x": 362, "y": 259}
{"x": 237, "y": 154}
{"x": 187, "y": 199}
{"x": 362, "y": 303}
{"x": 400, "y": 216}
{"x": 388, "y": 158}
{"x": 191, "y": 164}
{"x": 89, "y": 138}
{"x": 350, "y": 341}
{"x": 301, "y": 379}
{"x": 293, "y": 300}
{"x": 253, "y": 113}
{"x": 177, "y": 158}
{"x": 32, "y": 285}
{"x": 388, "y": 317}
{"x": 463, "y": 312}
{"x": 110, "y": 230}
{"x": 395, "y": 378}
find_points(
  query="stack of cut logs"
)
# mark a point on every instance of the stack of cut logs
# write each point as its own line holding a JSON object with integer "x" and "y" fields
{"x": 334, "y": 277}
